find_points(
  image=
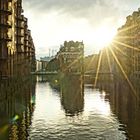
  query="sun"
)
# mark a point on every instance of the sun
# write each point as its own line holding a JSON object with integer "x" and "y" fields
{"x": 103, "y": 36}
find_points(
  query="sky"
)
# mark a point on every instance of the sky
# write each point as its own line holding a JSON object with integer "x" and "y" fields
{"x": 91, "y": 21}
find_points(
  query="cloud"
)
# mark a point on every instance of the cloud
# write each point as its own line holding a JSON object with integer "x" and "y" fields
{"x": 52, "y": 21}
{"x": 95, "y": 11}
{"x": 76, "y": 4}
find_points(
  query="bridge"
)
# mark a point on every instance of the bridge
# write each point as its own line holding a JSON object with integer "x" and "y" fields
{"x": 87, "y": 73}
{"x": 45, "y": 73}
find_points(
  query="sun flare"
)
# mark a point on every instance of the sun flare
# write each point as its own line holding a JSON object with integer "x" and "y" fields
{"x": 104, "y": 36}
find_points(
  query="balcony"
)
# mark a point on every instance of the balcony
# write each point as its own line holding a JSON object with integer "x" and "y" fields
{"x": 20, "y": 49}
{"x": 26, "y": 43}
{"x": 19, "y": 16}
{"x": 6, "y": 38}
{"x": 9, "y": 23}
{"x": 20, "y": 33}
{"x": 20, "y": 41}
{"x": 20, "y": 26}
{"x": 7, "y": 10}
{"x": 6, "y": 24}
{"x": 26, "y": 38}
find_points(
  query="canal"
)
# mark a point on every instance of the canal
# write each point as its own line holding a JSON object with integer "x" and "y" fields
{"x": 69, "y": 110}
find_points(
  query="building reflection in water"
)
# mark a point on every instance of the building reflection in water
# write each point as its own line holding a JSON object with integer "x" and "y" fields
{"x": 16, "y": 107}
{"x": 112, "y": 102}
{"x": 42, "y": 79}
{"x": 126, "y": 105}
{"x": 72, "y": 94}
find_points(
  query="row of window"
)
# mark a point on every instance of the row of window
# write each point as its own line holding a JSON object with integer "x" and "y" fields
{"x": 4, "y": 19}
{"x": 20, "y": 23}
{"x": 4, "y": 5}
{"x": 3, "y": 50}
{"x": 5, "y": 33}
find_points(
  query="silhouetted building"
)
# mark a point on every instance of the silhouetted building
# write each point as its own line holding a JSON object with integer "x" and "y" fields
{"x": 71, "y": 56}
{"x": 126, "y": 46}
{"x": 91, "y": 63}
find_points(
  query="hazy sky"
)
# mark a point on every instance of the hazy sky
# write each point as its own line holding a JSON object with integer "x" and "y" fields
{"x": 54, "y": 21}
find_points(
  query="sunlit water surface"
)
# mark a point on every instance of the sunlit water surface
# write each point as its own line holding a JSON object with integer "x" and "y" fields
{"x": 89, "y": 119}
{"x": 50, "y": 109}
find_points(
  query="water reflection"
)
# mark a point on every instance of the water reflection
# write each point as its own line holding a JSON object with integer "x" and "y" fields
{"x": 43, "y": 78}
{"x": 72, "y": 111}
{"x": 16, "y": 107}
{"x": 97, "y": 103}
{"x": 63, "y": 108}
{"x": 72, "y": 94}
{"x": 126, "y": 106}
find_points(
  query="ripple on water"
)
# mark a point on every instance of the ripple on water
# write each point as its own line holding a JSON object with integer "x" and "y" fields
{"x": 91, "y": 124}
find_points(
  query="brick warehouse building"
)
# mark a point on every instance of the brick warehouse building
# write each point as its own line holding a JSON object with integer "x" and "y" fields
{"x": 126, "y": 46}
{"x": 17, "y": 51}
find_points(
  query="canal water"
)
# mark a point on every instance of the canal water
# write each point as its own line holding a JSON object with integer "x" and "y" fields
{"x": 69, "y": 110}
